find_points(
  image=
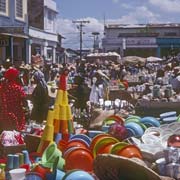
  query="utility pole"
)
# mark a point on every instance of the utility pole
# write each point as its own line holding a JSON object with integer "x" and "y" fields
{"x": 95, "y": 35}
{"x": 80, "y": 27}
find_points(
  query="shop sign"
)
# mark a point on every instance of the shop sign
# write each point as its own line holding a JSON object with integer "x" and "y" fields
{"x": 12, "y": 30}
{"x": 4, "y": 42}
{"x": 140, "y": 41}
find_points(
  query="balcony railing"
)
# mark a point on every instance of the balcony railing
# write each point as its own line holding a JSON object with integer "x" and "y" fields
{"x": 51, "y": 5}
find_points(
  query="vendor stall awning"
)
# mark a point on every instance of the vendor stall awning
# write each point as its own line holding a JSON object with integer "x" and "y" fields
{"x": 15, "y": 35}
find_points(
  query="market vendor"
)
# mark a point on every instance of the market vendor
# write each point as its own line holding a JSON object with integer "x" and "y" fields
{"x": 81, "y": 93}
{"x": 40, "y": 98}
{"x": 12, "y": 102}
{"x": 147, "y": 89}
{"x": 175, "y": 82}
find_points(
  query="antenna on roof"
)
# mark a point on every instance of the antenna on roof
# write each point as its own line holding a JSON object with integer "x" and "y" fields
{"x": 104, "y": 17}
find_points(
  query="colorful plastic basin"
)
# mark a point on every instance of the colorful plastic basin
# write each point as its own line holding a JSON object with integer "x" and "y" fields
{"x": 134, "y": 129}
{"x": 82, "y": 136}
{"x": 170, "y": 119}
{"x": 114, "y": 118}
{"x": 93, "y": 133}
{"x": 76, "y": 143}
{"x": 97, "y": 138}
{"x": 133, "y": 118}
{"x": 33, "y": 176}
{"x": 50, "y": 155}
{"x": 77, "y": 175}
{"x": 104, "y": 145}
{"x": 118, "y": 146}
{"x": 168, "y": 114}
{"x": 105, "y": 128}
{"x": 80, "y": 158}
{"x": 150, "y": 121}
{"x": 130, "y": 151}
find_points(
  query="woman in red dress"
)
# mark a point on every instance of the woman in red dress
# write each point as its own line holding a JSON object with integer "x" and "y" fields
{"x": 12, "y": 101}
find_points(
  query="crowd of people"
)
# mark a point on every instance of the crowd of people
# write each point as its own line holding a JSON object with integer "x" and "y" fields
{"x": 88, "y": 82}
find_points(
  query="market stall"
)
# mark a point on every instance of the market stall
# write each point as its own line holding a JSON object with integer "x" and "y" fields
{"x": 102, "y": 57}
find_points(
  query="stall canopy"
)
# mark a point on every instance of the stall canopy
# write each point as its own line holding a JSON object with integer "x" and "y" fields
{"x": 104, "y": 56}
{"x": 134, "y": 60}
{"x": 152, "y": 59}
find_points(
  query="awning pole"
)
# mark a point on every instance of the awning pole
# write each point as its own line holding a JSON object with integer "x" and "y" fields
{"x": 12, "y": 49}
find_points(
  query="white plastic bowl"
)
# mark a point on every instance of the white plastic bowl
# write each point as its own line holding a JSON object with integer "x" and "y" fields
{"x": 150, "y": 139}
{"x": 166, "y": 131}
{"x": 163, "y": 126}
{"x": 153, "y": 130}
{"x": 164, "y": 140}
{"x": 173, "y": 126}
{"x": 17, "y": 174}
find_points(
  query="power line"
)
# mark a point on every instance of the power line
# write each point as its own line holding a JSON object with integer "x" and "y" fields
{"x": 80, "y": 26}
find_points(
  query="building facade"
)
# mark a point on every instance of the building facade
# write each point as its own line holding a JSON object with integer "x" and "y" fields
{"x": 13, "y": 31}
{"x": 142, "y": 40}
{"x": 42, "y": 29}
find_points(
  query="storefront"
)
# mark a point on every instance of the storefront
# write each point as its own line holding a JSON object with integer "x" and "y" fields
{"x": 139, "y": 46}
{"x": 13, "y": 45}
{"x": 168, "y": 46}
{"x": 4, "y": 46}
{"x": 43, "y": 43}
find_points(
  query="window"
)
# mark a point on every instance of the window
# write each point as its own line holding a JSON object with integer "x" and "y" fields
{"x": 50, "y": 16}
{"x": 19, "y": 8}
{"x": 4, "y": 7}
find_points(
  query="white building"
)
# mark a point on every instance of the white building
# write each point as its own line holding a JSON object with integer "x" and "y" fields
{"x": 42, "y": 28}
{"x": 142, "y": 39}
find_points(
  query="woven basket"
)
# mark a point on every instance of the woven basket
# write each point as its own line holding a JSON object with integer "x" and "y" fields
{"x": 113, "y": 167}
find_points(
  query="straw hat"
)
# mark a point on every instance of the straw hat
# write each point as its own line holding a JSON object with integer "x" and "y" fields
{"x": 113, "y": 167}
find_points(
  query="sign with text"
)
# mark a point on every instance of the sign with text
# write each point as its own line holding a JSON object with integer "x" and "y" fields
{"x": 140, "y": 41}
{"x": 12, "y": 30}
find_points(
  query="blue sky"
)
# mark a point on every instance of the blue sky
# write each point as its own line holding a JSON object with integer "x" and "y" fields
{"x": 114, "y": 11}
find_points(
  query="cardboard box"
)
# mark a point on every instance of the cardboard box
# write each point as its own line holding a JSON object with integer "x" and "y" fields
{"x": 5, "y": 150}
{"x": 32, "y": 142}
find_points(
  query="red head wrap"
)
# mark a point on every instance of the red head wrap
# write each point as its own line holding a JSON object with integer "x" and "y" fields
{"x": 11, "y": 74}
